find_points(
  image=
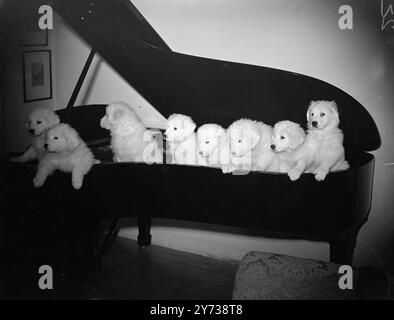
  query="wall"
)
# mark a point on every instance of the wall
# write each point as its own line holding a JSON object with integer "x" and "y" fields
{"x": 15, "y": 109}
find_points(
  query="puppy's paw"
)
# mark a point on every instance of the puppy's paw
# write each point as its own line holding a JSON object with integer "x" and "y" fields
{"x": 77, "y": 184}
{"x": 227, "y": 169}
{"x": 16, "y": 159}
{"x": 294, "y": 174}
{"x": 38, "y": 182}
{"x": 320, "y": 174}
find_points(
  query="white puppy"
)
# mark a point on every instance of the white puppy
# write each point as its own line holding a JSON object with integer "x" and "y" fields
{"x": 130, "y": 139}
{"x": 39, "y": 121}
{"x": 322, "y": 150}
{"x": 287, "y": 137}
{"x": 67, "y": 152}
{"x": 250, "y": 146}
{"x": 182, "y": 140}
{"x": 213, "y": 146}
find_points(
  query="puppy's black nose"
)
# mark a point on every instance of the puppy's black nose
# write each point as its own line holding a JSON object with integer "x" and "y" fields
{"x": 273, "y": 146}
{"x": 31, "y": 131}
{"x": 46, "y": 145}
{"x": 314, "y": 123}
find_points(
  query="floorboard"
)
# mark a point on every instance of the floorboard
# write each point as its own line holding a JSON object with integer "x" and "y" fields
{"x": 161, "y": 273}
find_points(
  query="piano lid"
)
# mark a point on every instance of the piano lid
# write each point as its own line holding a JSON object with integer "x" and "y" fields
{"x": 208, "y": 90}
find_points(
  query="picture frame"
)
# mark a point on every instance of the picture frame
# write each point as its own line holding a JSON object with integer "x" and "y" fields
{"x": 37, "y": 75}
{"x": 33, "y": 37}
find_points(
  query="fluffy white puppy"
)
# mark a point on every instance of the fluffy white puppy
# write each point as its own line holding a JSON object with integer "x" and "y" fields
{"x": 322, "y": 150}
{"x": 131, "y": 141}
{"x": 213, "y": 146}
{"x": 39, "y": 121}
{"x": 287, "y": 137}
{"x": 250, "y": 146}
{"x": 182, "y": 140}
{"x": 66, "y": 152}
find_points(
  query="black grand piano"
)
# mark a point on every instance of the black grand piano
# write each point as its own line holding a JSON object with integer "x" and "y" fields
{"x": 209, "y": 91}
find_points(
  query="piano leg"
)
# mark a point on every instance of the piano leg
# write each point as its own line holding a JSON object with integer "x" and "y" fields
{"x": 144, "y": 236}
{"x": 342, "y": 248}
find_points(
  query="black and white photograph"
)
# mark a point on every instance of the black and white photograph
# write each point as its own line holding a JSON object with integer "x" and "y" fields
{"x": 198, "y": 156}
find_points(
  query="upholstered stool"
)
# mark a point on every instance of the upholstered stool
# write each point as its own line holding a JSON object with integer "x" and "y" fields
{"x": 273, "y": 276}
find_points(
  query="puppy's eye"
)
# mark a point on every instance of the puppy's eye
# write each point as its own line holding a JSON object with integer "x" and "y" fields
{"x": 312, "y": 114}
{"x": 39, "y": 122}
{"x": 239, "y": 141}
{"x": 322, "y": 114}
{"x": 55, "y": 138}
{"x": 282, "y": 137}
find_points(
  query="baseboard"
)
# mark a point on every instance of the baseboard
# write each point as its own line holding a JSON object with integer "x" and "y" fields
{"x": 222, "y": 243}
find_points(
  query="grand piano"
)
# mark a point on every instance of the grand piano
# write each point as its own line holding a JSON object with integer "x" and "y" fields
{"x": 208, "y": 90}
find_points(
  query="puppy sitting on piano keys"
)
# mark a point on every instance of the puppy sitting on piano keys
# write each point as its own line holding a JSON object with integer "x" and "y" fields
{"x": 213, "y": 145}
{"x": 181, "y": 140}
{"x": 65, "y": 151}
{"x": 131, "y": 141}
{"x": 38, "y": 123}
{"x": 287, "y": 138}
{"x": 322, "y": 150}
{"x": 250, "y": 146}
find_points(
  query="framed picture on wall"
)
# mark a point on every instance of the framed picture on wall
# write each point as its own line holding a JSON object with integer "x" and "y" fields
{"x": 37, "y": 75}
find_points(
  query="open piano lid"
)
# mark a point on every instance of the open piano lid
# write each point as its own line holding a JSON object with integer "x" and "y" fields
{"x": 208, "y": 90}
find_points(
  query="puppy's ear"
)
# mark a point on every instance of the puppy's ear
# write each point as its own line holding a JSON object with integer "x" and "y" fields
{"x": 253, "y": 136}
{"x": 52, "y": 118}
{"x": 297, "y": 135}
{"x": 334, "y": 110}
{"x": 72, "y": 138}
{"x": 309, "y": 108}
{"x": 220, "y": 132}
{"x": 221, "y": 136}
{"x": 115, "y": 114}
{"x": 228, "y": 134}
{"x": 189, "y": 126}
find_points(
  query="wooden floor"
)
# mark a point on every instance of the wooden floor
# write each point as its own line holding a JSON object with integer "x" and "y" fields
{"x": 161, "y": 273}
{"x": 129, "y": 272}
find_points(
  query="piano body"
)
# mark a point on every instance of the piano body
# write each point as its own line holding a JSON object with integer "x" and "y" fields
{"x": 209, "y": 91}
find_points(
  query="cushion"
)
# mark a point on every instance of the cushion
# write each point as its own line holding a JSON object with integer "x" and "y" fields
{"x": 273, "y": 276}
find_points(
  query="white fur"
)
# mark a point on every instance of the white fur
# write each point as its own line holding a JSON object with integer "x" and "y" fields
{"x": 322, "y": 150}
{"x": 182, "y": 140}
{"x": 250, "y": 146}
{"x": 287, "y": 137}
{"x": 213, "y": 146}
{"x": 39, "y": 121}
{"x": 66, "y": 152}
{"x": 130, "y": 139}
